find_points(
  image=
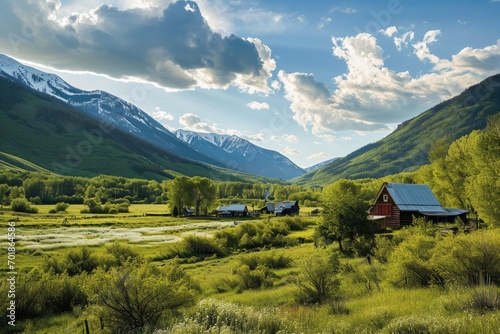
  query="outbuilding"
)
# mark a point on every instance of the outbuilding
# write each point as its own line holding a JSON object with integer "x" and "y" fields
{"x": 397, "y": 203}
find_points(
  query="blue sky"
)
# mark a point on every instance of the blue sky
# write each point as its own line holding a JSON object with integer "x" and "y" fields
{"x": 311, "y": 79}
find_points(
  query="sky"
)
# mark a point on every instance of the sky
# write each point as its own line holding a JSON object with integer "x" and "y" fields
{"x": 312, "y": 80}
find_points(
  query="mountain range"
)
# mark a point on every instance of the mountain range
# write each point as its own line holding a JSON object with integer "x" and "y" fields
{"x": 241, "y": 154}
{"x": 46, "y": 120}
{"x": 235, "y": 153}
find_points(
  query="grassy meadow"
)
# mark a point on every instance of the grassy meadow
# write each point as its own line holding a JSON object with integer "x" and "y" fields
{"x": 366, "y": 301}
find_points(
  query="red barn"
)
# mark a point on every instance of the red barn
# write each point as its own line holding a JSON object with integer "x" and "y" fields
{"x": 396, "y": 204}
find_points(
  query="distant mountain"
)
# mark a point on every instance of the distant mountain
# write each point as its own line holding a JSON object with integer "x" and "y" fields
{"x": 319, "y": 165}
{"x": 408, "y": 146}
{"x": 240, "y": 154}
{"x": 102, "y": 106}
{"x": 41, "y": 133}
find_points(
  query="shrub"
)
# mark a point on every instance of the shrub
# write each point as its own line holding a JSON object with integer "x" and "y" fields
{"x": 21, "y": 204}
{"x": 469, "y": 259}
{"x": 121, "y": 252}
{"x": 409, "y": 262}
{"x": 193, "y": 245}
{"x": 74, "y": 262}
{"x": 139, "y": 296}
{"x": 256, "y": 278}
{"x": 61, "y": 206}
{"x": 318, "y": 281}
{"x": 212, "y": 316}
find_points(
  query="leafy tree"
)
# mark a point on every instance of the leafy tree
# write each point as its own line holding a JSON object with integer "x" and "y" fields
{"x": 204, "y": 193}
{"x": 181, "y": 192}
{"x": 344, "y": 215}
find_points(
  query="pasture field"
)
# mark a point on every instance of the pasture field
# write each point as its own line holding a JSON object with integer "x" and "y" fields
{"x": 367, "y": 302}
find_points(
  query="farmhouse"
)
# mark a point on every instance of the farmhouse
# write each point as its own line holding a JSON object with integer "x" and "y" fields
{"x": 233, "y": 210}
{"x": 290, "y": 208}
{"x": 396, "y": 204}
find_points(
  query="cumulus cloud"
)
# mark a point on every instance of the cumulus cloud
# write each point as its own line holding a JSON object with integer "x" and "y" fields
{"x": 370, "y": 95}
{"x": 258, "y": 105}
{"x": 389, "y": 31}
{"x": 422, "y": 48}
{"x": 173, "y": 47}
{"x": 289, "y": 151}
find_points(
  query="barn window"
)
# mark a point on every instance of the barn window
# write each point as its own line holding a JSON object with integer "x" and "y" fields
{"x": 385, "y": 198}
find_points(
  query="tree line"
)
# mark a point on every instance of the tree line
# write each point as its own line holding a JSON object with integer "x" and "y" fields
{"x": 198, "y": 192}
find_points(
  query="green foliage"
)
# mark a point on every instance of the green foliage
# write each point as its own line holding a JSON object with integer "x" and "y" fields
{"x": 250, "y": 235}
{"x": 344, "y": 218}
{"x": 73, "y": 262}
{"x": 193, "y": 245}
{"x": 61, "y": 206}
{"x": 21, "y": 204}
{"x": 318, "y": 282}
{"x": 39, "y": 294}
{"x": 140, "y": 296}
{"x": 469, "y": 258}
{"x": 211, "y": 316}
{"x": 121, "y": 252}
{"x": 409, "y": 264}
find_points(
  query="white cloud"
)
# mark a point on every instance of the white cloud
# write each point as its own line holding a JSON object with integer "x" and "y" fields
{"x": 403, "y": 40}
{"x": 171, "y": 46}
{"x": 194, "y": 123}
{"x": 389, "y": 31}
{"x": 370, "y": 95}
{"x": 318, "y": 155}
{"x": 290, "y": 151}
{"x": 161, "y": 115}
{"x": 258, "y": 105}
{"x": 291, "y": 138}
{"x": 422, "y": 48}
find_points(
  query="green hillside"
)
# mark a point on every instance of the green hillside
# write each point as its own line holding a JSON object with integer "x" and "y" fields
{"x": 41, "y": 133}
{"x": 408, "y": 146}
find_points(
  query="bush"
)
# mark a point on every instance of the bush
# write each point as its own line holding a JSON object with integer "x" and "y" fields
{"x": 318, "y": 280}
{"x": 140, "y": 296}
{"x": 74, "y": 262}
{"x": 61, "y": 206}
{"x": 212, "y": 316}
{"x": 409, "y": 264}
{"x": 122, "y": 253}
{"x": 469, "y": 259}
{"x": 21, "y": 204}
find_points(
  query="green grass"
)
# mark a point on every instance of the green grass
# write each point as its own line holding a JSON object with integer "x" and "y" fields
{"x": 369, "y": 310}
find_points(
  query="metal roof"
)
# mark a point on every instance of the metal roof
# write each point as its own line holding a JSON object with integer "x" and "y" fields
{"x": 419, "y": 197}
{"x": 233, "y": 207}
{"x": 413, "y": 195}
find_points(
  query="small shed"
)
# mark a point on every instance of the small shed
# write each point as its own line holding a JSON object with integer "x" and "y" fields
{"x": 233, "y": 210}
{"x": 290, "y": 208}
{"x": 397, "y": 203}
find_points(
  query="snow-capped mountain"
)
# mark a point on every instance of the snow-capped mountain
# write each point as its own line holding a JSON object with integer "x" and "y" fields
{"x": 102, "y": 106}
{"x": 321, "y": 164}
{"x": 241, "y": 154}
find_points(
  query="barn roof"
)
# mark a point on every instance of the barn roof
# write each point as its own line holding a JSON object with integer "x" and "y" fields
{"x": 233, "y": 208}
{"x": 418, "y": 197}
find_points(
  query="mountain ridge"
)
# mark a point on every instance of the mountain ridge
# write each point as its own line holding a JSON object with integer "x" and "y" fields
{"x": 101, "y": 105}
{"x": 407, "y": 147}
{"x": 240, "y": 154}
